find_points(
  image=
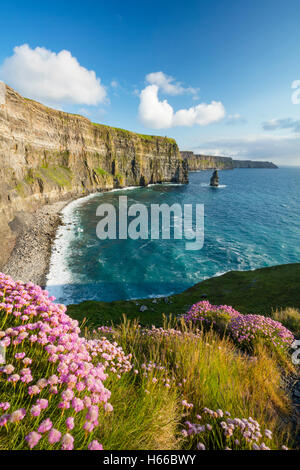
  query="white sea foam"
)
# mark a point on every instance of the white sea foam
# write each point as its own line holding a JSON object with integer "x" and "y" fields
{"x": 59, "y": 274}
{"x": 207, "y": 185}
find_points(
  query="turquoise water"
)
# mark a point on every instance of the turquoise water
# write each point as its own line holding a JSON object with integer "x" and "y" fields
{"x": 252, "y": 221}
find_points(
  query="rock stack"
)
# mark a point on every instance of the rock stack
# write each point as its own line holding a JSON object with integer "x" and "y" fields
{"x": 214, "y": 180}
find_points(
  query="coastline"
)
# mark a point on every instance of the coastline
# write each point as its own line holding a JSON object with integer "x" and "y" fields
{"x": 30, "y": 258}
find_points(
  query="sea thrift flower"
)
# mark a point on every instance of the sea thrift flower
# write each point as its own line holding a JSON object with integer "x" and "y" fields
{"x": 14, "y": 378}
{"x": 92, "y": 414}
{"x": 20, "y": 355}
{"x": 94, "y": 445}
{"x": 268, "y": 434}
{"x": 245, "y": 329}
{"x": 67, "y": 442}
{"x": 27, "y": 361}
{"x": 5, "y": 406}
{"x": 33, "y": 438}
{"x": 4, "y": 419}
{"x": 33, "y": 390}
{"x": 70, "y": 423}
{"x": 54, "y": 436}
{"x": 45, "y": 426}
{"x": 42, "y": 403}
{"x": 17, "y": 415}
{"x": 42, "y": 383}
{"x": 200, "y": 446}
{"x": 35, "y": 410}
{"x": 8, "y": 369}
{"x": 108, "y": 407}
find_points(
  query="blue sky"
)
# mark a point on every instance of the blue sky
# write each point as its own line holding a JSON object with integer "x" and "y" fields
{"x": 226, "y": 66}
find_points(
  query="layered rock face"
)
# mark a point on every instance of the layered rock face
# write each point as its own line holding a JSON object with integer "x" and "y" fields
{"x": 253, "y": 164}
{"x": 208, "y": 162}
{"x": 48, "y": 155}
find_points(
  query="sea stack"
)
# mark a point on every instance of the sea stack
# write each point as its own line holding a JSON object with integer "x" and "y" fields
{"x": 214, "y": 180}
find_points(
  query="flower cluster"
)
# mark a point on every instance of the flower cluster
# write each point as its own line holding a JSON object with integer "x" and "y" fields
{"x": 235, "y": 433}
{"x": 244, "y": 329}
{"x": 204, "y": 311}
{"x": 47, "y": 360}
{"x": 247, "y": 328}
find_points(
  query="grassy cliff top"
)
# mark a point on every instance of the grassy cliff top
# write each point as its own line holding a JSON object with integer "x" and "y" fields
{"x": 257, "y": 292}
{"x": 63, "y": 114}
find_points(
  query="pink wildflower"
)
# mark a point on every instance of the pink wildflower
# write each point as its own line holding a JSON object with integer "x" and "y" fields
{"x": 54, "y": 436}
{"x": 94, "y": 445}
{"x": 45, "y": 426}
{"x": 67, "y": 442}
{"x": 33, "y": 438}
{"x": 70, "y": 423}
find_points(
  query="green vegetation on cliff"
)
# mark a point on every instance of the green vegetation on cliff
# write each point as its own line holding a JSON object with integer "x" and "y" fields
{"x": 57, "y": 155}
{"x": 262, "y": 291}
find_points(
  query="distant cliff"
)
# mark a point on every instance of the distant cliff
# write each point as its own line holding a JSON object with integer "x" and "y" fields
{"x": 253, "y": 164}
{"x": 208, "y": 162}
{"x": 48, "y": 155}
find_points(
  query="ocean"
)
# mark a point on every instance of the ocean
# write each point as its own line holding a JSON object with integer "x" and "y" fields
{"x": 251, "y": 221}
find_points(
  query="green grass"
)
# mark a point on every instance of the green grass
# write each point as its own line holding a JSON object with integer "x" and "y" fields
{"x": 169, "y": 366}
{"x": 126, "y": 133}
{"x": 211, "y": 373}
{"x": 60, "y": 175}
{"x": 259, "y": 292}
{"x": 101, "y": 172}
{"x": 290, "y": 318}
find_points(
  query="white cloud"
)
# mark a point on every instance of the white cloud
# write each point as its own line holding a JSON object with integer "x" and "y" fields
{"x": 167, "y": 84}
{"x": 158, "y": 114}
{"x": 278, "y": 149}
{"x": 154, "y": 113}
{"x": 287, "y": 123}
{"x": 53, "y": 78}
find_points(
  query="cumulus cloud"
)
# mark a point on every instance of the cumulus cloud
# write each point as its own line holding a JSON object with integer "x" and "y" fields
{"x": 51, "y": 77}
{"x": 158, "y": 114}
{"x": 288, "y": 123}
{"x": 167, "y": 84}
{"x": 154, "y": 113}
{"x": 278, "y": 149}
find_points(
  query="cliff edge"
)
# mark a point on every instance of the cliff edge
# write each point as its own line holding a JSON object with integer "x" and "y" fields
{"x": 207, "y": 162}
{"x": 48, "y": 156}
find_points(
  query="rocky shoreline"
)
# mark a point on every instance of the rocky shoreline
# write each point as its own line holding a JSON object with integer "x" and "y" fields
{"x": 30, "y": 258}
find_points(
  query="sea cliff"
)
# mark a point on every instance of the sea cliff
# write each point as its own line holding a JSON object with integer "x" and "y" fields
{"x": 48, "y": 156}
{"x": 207, "y": 162}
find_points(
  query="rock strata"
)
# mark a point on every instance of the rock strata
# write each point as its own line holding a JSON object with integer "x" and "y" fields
{"x": 208, "y": 162}
{"x": 48, "y": 156}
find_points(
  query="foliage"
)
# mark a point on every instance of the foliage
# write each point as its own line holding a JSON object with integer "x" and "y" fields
{"x": 129, "y": 387}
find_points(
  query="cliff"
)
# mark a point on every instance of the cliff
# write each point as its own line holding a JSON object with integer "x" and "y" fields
{"x": 48, "y": 155}
{"x": 253, "y": 164}
{"x": 208, "y": 162}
